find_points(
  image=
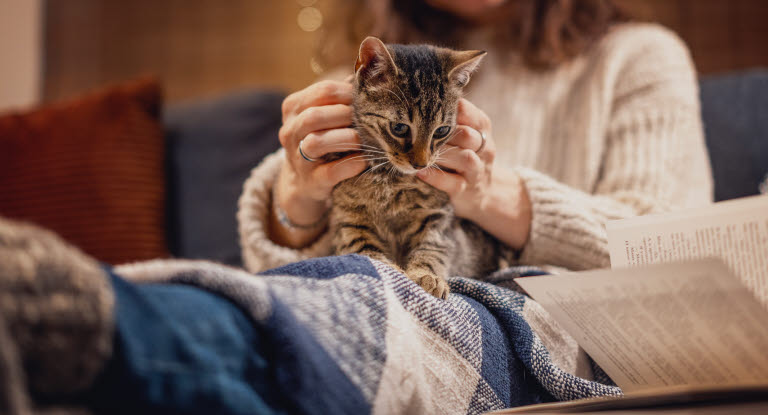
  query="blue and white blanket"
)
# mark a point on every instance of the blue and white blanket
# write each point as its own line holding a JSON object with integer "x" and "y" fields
{"x": 353, "y": 336}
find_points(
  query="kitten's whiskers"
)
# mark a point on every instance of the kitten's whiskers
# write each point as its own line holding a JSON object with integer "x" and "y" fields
{"x": 379, "y": 165}
{"x": 338, "y": 148}
{"x": 352, "y": 144}
{"x": 353, "y": 158}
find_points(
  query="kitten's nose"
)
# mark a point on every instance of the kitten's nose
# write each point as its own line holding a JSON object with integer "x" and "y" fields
{"x": 418, "y": 166}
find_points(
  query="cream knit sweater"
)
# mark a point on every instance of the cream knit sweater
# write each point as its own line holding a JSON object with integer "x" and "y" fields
{"x": 612, "y": 134}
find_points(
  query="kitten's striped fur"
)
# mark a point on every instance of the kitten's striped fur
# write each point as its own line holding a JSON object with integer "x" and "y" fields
{"x": 386, "y": 212}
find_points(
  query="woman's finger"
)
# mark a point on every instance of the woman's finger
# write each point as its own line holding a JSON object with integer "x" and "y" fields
{"x": 450, "y": 183}
{"x": 329, "y": 174}
{"x": 466, "y": 137}
{"x": 318, "y": 94}
{"x": 320, "y": 118}
{"x": 469, "y": 114}
{"x": 471, "y": 139}
{"x": 465, "y": 162}
{"x": 319, "y": 143}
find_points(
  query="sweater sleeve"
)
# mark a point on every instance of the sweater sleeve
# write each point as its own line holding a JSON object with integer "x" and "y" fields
{"x": 259, "y": 252}
{"x": 654, "y": 159}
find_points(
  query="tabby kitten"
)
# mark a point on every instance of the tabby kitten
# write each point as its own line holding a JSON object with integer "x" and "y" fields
{"x": 405, "y": 105}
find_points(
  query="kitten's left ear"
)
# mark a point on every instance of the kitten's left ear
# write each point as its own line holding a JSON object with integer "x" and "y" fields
{"x": 464, "y": 63}
{"x": 374, "y": 62}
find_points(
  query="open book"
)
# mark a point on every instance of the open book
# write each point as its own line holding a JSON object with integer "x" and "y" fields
{"x": 736, "y": 231}
{"x": 685, "y": 305}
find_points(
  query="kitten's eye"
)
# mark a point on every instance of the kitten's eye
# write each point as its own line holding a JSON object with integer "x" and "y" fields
{"x": 441, "y": 132}
{"x": 399, "y": 129}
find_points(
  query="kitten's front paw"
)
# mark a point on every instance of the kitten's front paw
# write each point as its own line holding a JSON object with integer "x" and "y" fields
{"x": 434, "y": 285}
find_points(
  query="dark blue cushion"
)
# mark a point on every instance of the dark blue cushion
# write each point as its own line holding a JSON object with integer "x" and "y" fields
{"x": 211, "y": 147}
{"x": 179, "y": 349}
{"x": 735, "y": 112}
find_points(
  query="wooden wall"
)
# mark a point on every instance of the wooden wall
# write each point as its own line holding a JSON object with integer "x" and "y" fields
{"x": 203, "y": 47}
{"x": 723, "y": 35}
{"x": 196, "y": 47}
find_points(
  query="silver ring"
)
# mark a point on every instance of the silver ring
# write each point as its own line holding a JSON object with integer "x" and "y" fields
{"x": 482, "y": 145}
{"x": 310, "y": 159}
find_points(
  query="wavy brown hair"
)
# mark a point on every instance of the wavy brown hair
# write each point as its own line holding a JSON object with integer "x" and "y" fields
{"x": 544, "y": 32}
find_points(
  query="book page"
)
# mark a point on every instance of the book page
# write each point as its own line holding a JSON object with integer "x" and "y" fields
{"x": 751, "y": 399}
{"x": 664, "y": 325}
{"x": 735, "y": 231}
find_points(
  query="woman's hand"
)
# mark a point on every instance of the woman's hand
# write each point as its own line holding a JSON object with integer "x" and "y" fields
{"x": 493, "y": 198}
{"x": 318, "y": 118}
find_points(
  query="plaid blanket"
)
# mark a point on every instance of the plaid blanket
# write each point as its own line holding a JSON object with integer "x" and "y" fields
{"x": 351, "y": 335}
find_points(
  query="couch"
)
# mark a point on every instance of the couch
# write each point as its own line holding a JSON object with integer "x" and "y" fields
{"x": 213, "y": 144}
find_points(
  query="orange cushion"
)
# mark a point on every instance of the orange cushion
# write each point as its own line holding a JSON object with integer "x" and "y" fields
{"x": 90, "y": 169}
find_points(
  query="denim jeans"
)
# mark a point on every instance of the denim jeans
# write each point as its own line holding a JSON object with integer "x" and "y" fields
{"x": 180, "y": 349}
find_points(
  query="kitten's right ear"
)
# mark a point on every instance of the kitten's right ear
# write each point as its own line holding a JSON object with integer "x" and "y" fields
{"x": 374, "y": 62}
{"x": 464, "y": 63}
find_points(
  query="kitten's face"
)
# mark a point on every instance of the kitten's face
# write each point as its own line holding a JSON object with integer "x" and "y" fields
{"x": 406, "y": 98}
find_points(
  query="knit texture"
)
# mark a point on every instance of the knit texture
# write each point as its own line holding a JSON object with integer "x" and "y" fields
{"x": 612, "y": 134}
{"x": 56, "y": 309}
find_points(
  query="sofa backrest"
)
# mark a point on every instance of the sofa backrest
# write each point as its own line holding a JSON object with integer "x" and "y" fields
{"x": 734, "y": 108}
{"x": 212, "y": 145}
